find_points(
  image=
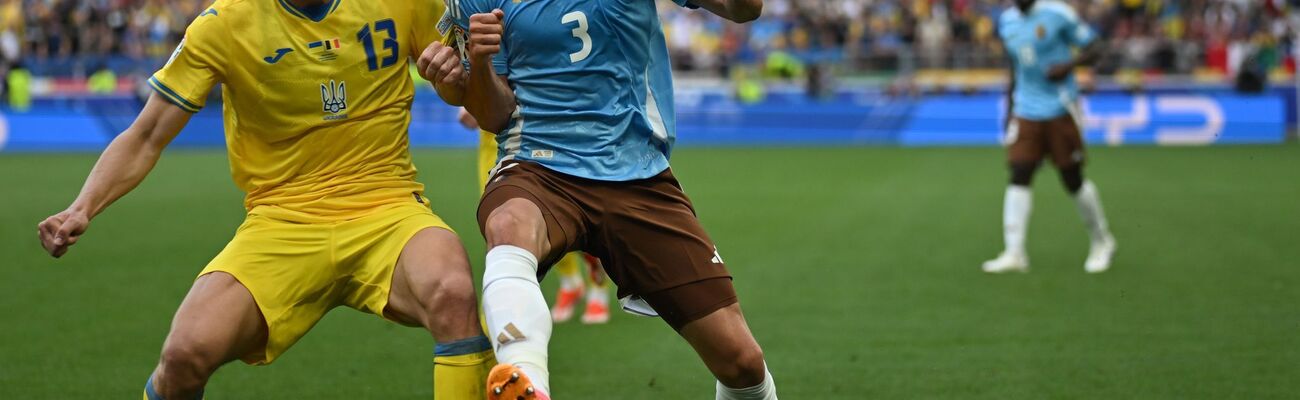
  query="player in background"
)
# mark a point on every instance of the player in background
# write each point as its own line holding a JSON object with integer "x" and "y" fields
{"x": 581, "y": 275}
{"x": 573, "y": 284}
{"x": 1041, "y": 38}
{"x": 316, "y": 129}
{"x": 580, "y": 94}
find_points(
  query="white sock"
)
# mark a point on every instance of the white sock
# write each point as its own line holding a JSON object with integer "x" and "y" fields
{"x": 598, "y": 294}
{"x": 1017, "y": 204}
{"x": 518, "y": 320}
{"x": 571, "y": 282}
{"x": 1094, "y": 217}
{"x": 761, "y": 391}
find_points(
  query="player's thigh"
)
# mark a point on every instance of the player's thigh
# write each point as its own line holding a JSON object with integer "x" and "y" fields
{"x": 650, "y": 238}
{"x": 1026, "y": 142}
{"x": 218, "y": 320}
{"x": 288, "y": 268}
{"x": 539, "y": 206}
{"x": 1065, "y": 142}
{"x": 431, "y": 280}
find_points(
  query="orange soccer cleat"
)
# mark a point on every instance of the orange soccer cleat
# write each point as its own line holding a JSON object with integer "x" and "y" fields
{"x": 597, "y": 311}
{"x": 508, "y": 382}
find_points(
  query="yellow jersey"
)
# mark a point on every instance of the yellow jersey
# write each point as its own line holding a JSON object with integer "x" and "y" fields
{"x": 316, "y": 100}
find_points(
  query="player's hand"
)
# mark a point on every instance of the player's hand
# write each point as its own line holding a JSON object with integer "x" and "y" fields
{"x": 467, "y": 120}
{"x": 60, "y": 231}
{"x": 1059, "y": 72}
{"x": 485, "y": 36}
{"x": 440, "y": 64}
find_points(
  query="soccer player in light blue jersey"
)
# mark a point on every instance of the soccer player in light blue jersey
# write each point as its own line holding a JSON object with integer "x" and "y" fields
{"x": 1046, "y": 40}
{"x": 580, "y": 94}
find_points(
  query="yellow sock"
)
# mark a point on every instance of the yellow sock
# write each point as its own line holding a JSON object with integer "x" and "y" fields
{"x": 460, "y": 369}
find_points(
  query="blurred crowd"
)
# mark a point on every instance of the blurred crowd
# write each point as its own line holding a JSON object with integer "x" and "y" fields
{"x": 42, "y": 30}
{"x": 792, "y": 36}
{"x": 900, "y": 35}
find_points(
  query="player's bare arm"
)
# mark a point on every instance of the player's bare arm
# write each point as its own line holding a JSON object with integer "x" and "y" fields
{"x": 441, "y": 65}
{"x": 488, "y": 96}
{"x": 124, "y": 164}
{"x": 1087, "y": 56}
{"x": 1011, "y": 98}
{"x": 739, "y": 11}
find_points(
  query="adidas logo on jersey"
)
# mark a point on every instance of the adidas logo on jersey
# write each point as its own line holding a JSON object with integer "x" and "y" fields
{"x": 717, "y": 258}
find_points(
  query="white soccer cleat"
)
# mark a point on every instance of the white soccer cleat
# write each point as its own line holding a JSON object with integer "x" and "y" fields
{"x": 1007, "y": 262}
{"x": 1099, "y": 255}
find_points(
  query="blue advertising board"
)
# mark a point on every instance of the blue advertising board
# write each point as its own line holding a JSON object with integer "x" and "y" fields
{"x": 1111, "y": 119}
{"x": 714, "y": 118}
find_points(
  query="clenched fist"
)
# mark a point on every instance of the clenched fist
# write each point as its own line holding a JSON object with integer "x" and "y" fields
{"x": 440, "y": 64}
{"x": 60, "y": 231}
{"x": 485, "y": 36}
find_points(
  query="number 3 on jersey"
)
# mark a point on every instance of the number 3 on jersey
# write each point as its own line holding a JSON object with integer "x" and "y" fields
{"x": 581, "y": 33}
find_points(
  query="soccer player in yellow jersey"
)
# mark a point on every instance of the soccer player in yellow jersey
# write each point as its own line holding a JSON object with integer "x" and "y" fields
{"x": 571, "y": 267}
{"x": 317, "y": 106}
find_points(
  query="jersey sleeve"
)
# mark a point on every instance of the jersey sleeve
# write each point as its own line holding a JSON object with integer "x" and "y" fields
{"x": 1076, "y": 31}
{"x": 195, "y": 66}
{"x": 463, "y": 9}
{"x": 1080, "y": 34}
{"x": 426, "y": 27}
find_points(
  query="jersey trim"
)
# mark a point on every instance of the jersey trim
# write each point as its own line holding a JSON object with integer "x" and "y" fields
{"x": 514, "y": 139}
{"x": 653, "y": 116}
{"x": 171, "y": 96}
{"x": 313, "y": 13}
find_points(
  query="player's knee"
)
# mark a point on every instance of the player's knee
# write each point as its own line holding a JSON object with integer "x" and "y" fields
{"x": 453, "y": 298}
{"x": 746, "y": 369}
{"x": 1022, "y": 172}
{"x": 184, "y": 364}
{"x": 1072, "y": 177}
{"x": 517, "y": 222}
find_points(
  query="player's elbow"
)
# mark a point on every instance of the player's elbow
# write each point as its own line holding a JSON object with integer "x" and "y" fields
{"x": 744, "y": 11}
{"x": 495, "y": 123}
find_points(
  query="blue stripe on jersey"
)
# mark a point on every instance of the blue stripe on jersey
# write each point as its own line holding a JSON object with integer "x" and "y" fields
{"x": 171, "y": 96}
{"x": 315, "y": 13}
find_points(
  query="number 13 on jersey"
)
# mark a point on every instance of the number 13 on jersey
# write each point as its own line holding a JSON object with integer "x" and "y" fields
{"x": 581, "y": 33}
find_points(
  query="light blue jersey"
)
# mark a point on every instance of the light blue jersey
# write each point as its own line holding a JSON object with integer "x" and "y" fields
{"x": 1037, "y": 40}
{"x": 593, "y": 84}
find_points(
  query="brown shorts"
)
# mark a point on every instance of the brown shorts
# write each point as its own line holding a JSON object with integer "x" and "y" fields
{"x": 1058, "y": 137}
{"x": 645, "y": 233}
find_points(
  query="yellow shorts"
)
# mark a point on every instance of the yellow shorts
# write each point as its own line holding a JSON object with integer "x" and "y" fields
{"x": 487, "y": 156}
{"x": 298, "y": 271}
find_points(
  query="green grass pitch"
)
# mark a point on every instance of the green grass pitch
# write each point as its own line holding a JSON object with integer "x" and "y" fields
{"x": 858, "y": 268}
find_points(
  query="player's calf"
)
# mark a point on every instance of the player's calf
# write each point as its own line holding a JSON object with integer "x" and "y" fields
{"x": 432, "y": 287}
{"x": 728, "y": 349}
